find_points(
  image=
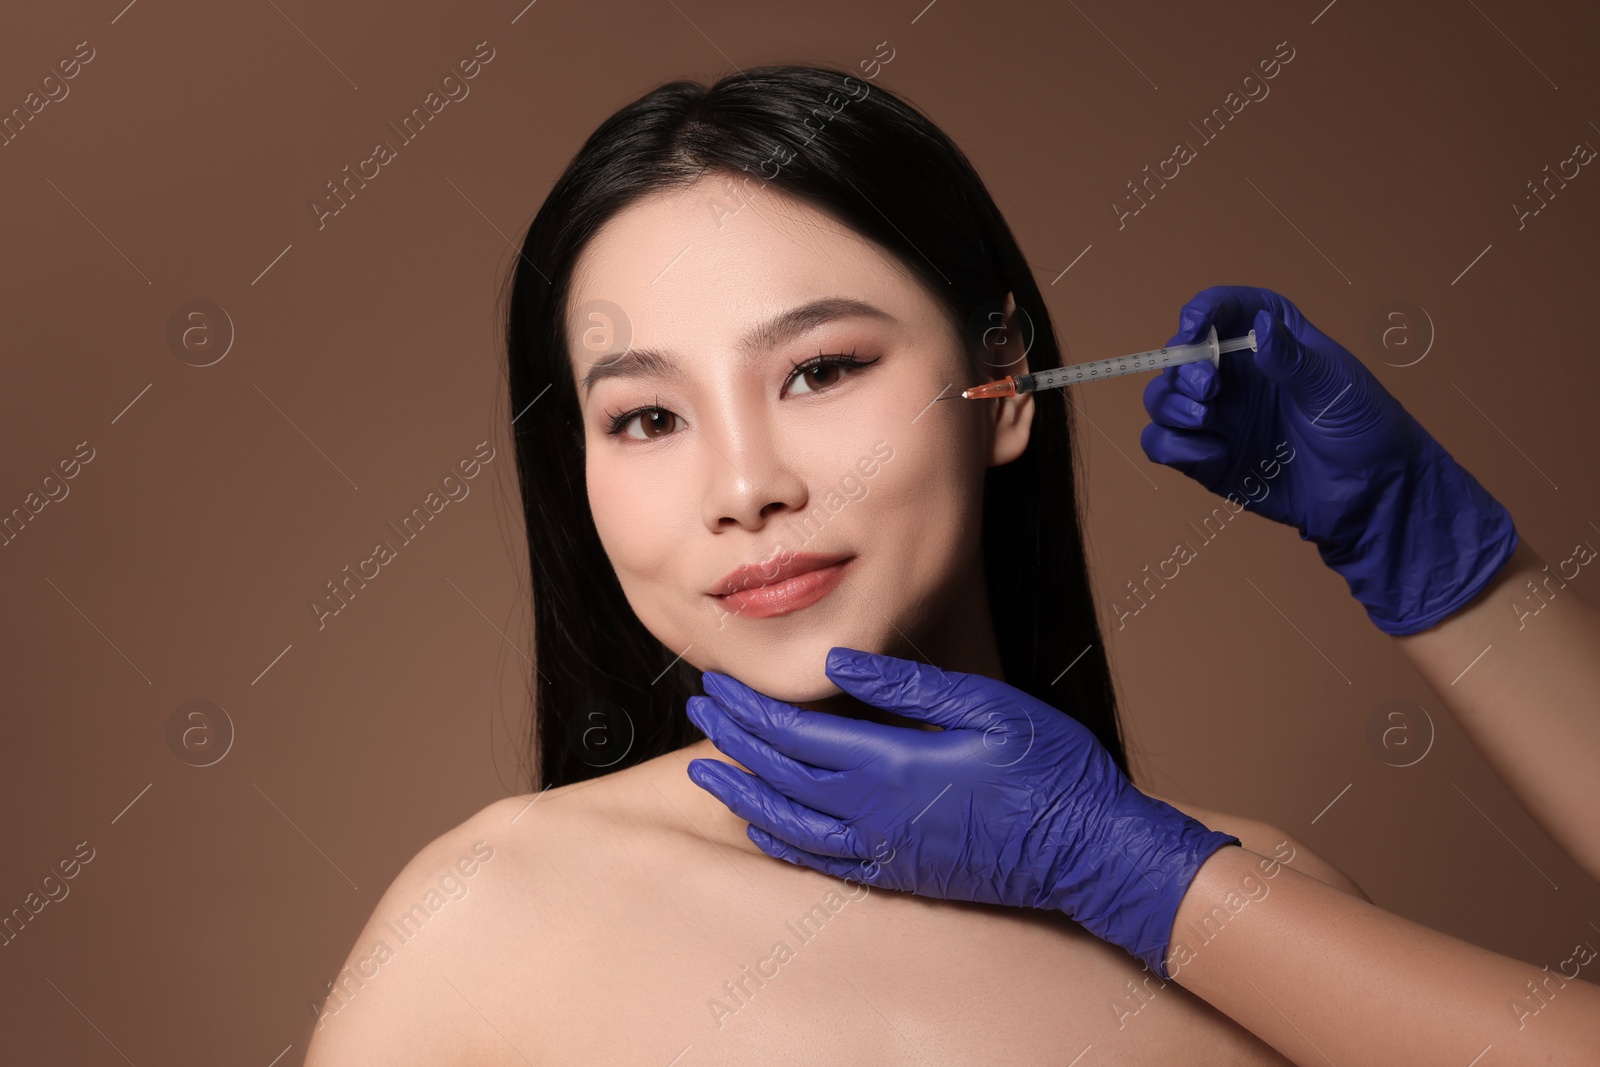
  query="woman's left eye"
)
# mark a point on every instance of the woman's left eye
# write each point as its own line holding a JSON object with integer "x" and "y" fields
{"x": 821, "y": 372}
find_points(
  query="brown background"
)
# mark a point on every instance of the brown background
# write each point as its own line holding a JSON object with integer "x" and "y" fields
{"x": 366, "y": 364}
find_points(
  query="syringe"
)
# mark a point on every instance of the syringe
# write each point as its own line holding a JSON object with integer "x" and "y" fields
{"x": 1116, "y": 366}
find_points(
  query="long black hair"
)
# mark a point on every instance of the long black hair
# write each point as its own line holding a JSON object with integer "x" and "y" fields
{"x": 608, "y": 694}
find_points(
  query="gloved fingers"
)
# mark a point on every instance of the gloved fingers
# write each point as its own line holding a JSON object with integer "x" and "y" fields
{"x": 762, "y": 806}
{"x": 1168, "y": 402}
{"x": 853, "y": 870}
{"x": 1217, "y": 306}
{"x": 1198, "y": 381}
{"x": 1008, "y": 738}
{"x": 905, "y": 687}
{"x": 1232, "y": 310}
{"x": 831, "y": 742}
{"x": 1328, "y": 384}
{"x": 808, "y": 785}
{"x": 1200, "y": 454}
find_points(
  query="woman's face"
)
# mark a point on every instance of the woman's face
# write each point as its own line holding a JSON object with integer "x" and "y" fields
{"x": 707, "y": 451}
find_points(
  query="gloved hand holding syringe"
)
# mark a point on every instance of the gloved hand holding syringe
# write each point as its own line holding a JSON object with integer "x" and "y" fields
{"x": 1412, "y": 532}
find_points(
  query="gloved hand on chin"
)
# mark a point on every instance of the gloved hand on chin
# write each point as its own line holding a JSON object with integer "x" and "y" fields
{"x": 1012, "y": 802}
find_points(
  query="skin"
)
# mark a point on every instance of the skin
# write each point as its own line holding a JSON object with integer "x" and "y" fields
{"x": 1424, "y": 997}
{"x": 1529, "y": 702}
{"x": 1320, "y": 958}
{"x": 614, "y": 910}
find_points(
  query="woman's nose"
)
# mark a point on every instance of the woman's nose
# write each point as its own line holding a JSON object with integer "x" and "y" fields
{"x": 749, "y": 479}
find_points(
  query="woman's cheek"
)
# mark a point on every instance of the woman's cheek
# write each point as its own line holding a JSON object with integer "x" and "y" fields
{"x": 938, "y": 487}
{"x": 911, "y": 511}
{"x": 643, "y": 545}
{"x": 632, "y": 514}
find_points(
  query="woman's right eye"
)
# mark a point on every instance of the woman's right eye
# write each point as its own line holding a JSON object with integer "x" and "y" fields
{"x": 654, "y": 422}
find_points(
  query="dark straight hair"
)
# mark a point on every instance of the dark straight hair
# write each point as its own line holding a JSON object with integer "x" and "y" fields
{"x": 608, "y": 694}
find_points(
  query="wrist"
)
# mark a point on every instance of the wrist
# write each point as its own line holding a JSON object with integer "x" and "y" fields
{"x": 1222, "y": 886}
{"x": 1144, "y": 856}
{"x": 1211, "y": 882}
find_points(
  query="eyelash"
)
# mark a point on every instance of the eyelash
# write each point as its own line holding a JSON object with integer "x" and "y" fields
{"x": 617, "y": 422}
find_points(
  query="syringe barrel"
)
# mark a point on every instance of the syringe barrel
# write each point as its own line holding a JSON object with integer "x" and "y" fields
{"x": 1115, "y": 367}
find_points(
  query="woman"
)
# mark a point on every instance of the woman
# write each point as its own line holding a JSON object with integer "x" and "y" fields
{"x": 743, "y": 302}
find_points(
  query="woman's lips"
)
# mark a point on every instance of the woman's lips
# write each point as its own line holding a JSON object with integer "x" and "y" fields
{"x": 792, "y": 594}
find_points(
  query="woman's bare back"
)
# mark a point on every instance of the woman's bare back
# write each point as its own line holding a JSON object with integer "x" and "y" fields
{"x": 630, "y": 920}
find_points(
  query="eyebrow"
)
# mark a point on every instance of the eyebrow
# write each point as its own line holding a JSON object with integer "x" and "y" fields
{"x": 781, "y": 328}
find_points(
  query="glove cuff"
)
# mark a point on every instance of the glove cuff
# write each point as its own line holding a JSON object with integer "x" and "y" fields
{"x": 1432, "y": 540}
{"x": 1150, "y": 853}
{"x": 1153, "y": 941}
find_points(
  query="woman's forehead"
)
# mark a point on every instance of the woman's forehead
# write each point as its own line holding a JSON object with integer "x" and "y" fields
{"x": 663, "y": 269}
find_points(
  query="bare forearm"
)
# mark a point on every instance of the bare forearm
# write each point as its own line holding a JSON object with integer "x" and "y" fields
{"x": 1324, "y": 977}
{"x": 1519, "y": 668}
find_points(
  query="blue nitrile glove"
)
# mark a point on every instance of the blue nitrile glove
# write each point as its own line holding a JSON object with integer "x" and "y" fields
{"x": 1331, "y": 453}
{"x": 1012, "y": 802}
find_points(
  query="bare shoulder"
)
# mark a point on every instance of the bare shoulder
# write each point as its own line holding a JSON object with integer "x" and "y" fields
{"x": 411, "y": 990}
{"x": 1270, "y": 842}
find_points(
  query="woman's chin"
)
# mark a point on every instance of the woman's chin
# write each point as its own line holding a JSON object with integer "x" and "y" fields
{"x": 792, "y": 670}
{"x": 802, "y": 689}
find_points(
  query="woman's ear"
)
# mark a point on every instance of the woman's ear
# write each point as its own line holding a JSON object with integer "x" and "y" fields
{"x": 1010, "y": 418}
